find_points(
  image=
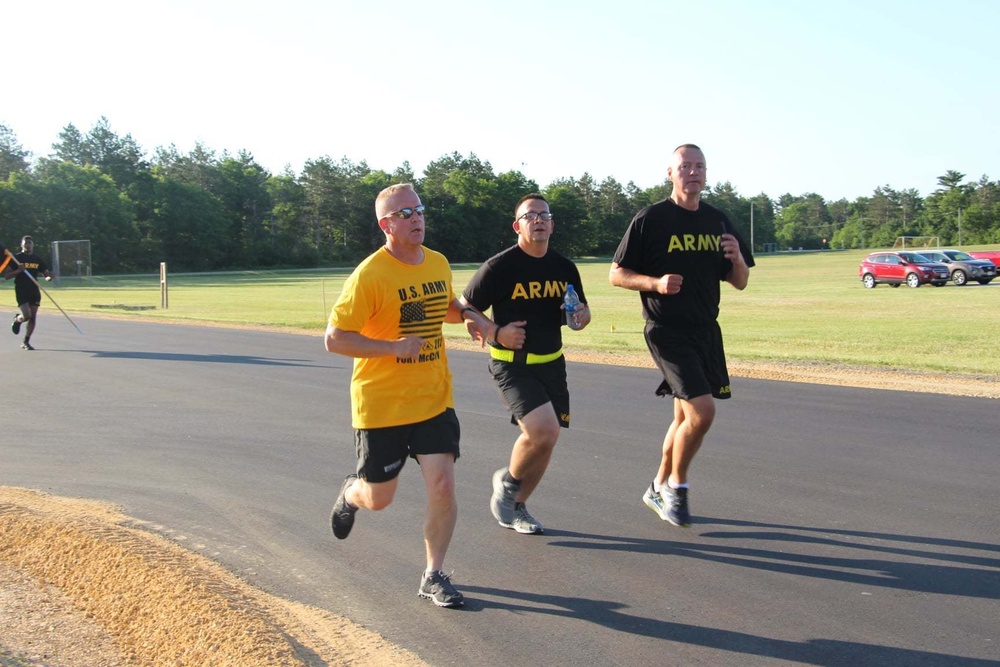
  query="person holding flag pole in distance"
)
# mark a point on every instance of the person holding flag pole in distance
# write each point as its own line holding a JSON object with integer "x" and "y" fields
{"x": 27, "y": 290}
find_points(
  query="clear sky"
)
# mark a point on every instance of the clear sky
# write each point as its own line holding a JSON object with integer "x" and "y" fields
{"x": 784, "y": 96}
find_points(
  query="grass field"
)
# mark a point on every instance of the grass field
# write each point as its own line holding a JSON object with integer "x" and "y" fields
{"x": 799, "y": 308}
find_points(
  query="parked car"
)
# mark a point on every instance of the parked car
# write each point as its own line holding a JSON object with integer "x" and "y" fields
{"x": 963, "y": 266}
{"x": 992, "y": 255}
{"x": 895, "y": 267}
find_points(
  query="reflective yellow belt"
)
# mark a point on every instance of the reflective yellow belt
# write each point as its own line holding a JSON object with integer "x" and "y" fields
{"x": 518, "y": 357}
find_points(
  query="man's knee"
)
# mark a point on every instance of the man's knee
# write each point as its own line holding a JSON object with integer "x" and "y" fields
{"x": 699, "y": 413}
{"x": 439, "y": 477}
{"x": 541, "y": 427}
{"x": 441, "y": 489}
{"x": 376, "y": 496}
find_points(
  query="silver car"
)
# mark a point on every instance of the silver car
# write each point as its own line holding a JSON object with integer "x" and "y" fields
{"x": 963, "y": 266}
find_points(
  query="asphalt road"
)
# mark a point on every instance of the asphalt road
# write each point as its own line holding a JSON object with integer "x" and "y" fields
{"x": 834, "y": 526}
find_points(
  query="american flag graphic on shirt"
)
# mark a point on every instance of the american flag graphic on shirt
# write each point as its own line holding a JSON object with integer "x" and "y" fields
{"x": 412, "y": 311}
{"x": 423, "y": 317}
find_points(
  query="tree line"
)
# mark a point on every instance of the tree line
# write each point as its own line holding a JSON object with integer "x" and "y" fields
{"x": 204, "y": 211}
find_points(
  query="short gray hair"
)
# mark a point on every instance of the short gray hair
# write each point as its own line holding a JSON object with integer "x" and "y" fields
{"x": 383, "y": 197}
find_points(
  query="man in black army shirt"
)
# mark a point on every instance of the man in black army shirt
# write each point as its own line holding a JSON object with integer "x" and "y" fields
{"x": 525, "y": 285}
{"x": 675, "y": 253}
{"x": 26, "y": 290}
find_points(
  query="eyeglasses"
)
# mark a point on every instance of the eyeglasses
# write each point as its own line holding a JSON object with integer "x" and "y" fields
{"x": 406, "y": 213}
{"x": 531, "y": 216}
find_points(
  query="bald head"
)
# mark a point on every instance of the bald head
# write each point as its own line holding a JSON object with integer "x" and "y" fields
{"x": 688, "y": 172}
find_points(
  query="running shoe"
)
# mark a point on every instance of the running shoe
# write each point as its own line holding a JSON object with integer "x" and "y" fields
{"x": 525, "y": 523}
{"x": 677, "y": 506}
{"x": 502, "y": 501}
{"x": 26, "y": 346}
{"x": 16, "y": 325}
{"x": 654, "y": 501}
{"x": 342, "y": 516}
{"x": 437, "y": 587}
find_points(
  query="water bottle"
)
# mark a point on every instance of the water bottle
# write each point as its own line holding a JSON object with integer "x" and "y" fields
{"x": 572, "y": 301}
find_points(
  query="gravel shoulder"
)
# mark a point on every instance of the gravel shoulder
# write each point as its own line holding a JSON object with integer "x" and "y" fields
{"x": 83, "y": 584}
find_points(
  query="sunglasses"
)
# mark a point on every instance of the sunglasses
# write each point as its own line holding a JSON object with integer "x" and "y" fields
{"x": 531, "y": 216}
{"x": 406, "y": 213}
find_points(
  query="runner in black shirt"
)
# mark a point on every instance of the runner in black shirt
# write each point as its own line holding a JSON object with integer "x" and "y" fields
{"x": 525, "y": 285}
{"x": 675, "y": 253}
{"x": 29, "y": 296}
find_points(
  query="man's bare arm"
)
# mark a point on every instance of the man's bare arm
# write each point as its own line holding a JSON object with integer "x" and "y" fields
{"x": 669, "y": 283}
{"x": 354, "y": 344}
{"x": 739, "y": 275}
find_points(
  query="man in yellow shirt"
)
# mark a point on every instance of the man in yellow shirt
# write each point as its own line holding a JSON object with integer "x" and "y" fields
{"x": 389, "y": 319}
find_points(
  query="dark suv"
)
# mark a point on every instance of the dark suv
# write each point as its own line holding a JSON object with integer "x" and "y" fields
{"x": 895, "y": 267}
{"x": 963, "y": 266}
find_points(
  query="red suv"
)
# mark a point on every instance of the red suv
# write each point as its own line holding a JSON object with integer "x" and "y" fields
{"x": 896, "y": 267}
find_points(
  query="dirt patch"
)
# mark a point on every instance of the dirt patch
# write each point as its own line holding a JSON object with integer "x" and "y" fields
{"x": 951, "y": 384}
{"x": 83, "y": 584}
{"x": 42, "y": 627}
{"x": 980, "y": 386}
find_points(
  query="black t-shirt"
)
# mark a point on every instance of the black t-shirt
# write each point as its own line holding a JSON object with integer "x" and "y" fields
{"x": 34, "y": 265}
{"x": 666, "y": 238}
{"x": 518, "y": 286}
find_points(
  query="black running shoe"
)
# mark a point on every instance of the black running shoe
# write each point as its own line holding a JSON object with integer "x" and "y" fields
{"x": 26, "y": 346}
{"x": 342, "y": 516}
{"x": 16, "y": 325}
{"x": 437, "y": 587}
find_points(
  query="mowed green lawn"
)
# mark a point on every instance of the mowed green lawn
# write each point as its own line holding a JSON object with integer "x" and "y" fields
{"x": 800, "y": 308}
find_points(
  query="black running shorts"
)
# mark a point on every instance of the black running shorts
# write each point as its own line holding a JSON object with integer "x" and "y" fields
{"x": 692, "y": 361}
{"x": 382, "y": 452}
{"x": 524, "y": 387}
{"x": 28, "y": 294}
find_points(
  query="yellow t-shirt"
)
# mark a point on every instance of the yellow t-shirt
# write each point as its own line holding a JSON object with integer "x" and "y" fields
{"x": 385, "y": 299}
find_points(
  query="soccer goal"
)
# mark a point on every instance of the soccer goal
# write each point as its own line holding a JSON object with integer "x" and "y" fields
{"x": 70, "y": 260}
{"x": 921, "y": 242}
